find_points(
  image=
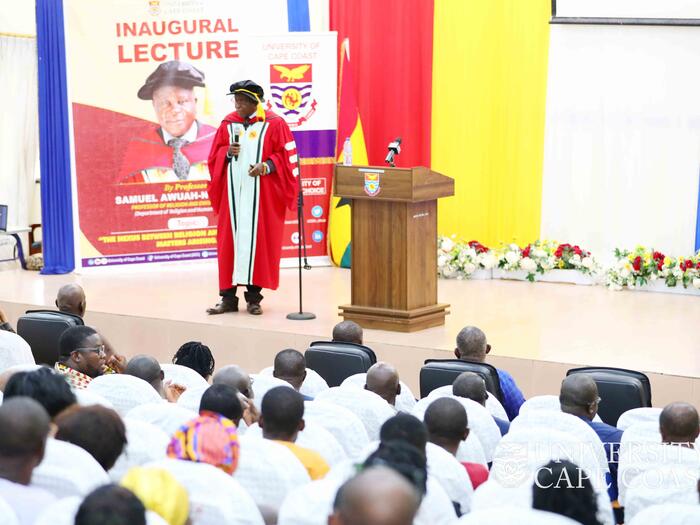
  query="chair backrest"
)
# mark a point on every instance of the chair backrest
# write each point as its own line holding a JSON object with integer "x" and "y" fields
{"x": 638, "y": 415}
{"x": 441, "y": 372}
{"x": 124, "y": 391}
{"x": 343, "y": 424}
{"x": 87, "y": 397}
{"x": 661, "y": 485}
{"x": 268, "y": 470}
{"x": 335, "y": 361}
{"x": 68, "y": 470}
{"x": 371, "y": 409}
{"x": 14, "y": 351}
{"x": 168, "y": 417}
{"x": 668, "y": 514}
{"x": 145, "y": 443}
{"x": 42, "y": 329}
{"x": 183, "y": 375}
{"x": 620, "y": 390}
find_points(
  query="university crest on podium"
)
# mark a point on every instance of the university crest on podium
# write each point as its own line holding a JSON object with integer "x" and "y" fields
{"x": 291, "y": 86}
{"x": 372, "y": 187}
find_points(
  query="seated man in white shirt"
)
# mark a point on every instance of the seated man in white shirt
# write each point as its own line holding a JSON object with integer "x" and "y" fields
{"x": 25, "y": 427}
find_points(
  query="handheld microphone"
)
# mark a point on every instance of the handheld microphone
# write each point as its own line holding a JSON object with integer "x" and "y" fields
{"x": 394, "y": 149}
{"x": 237, "y": 132}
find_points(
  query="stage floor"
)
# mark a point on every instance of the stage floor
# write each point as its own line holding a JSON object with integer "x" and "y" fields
{"x": 537, "y": 331}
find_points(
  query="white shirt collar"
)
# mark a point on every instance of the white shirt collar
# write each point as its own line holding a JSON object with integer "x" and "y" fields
{"x": 190, "y": 136}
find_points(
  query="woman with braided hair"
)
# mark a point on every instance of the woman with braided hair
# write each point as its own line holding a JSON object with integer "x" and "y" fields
{"x": 196, "y": 356}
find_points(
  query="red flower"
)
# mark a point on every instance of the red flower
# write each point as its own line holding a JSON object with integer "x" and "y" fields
{"x": 559, "y": 252}
{"x": 658, "y": 256}
{"x": 526, "y": 251}
{"x": 689, "y": 264}
{"x": 577, "y": 251}
{"x": 637, "y": 264}
{"x": 480, "y": 248}
{"x": 660, "y": 265}
{"x": 698, "y": 265}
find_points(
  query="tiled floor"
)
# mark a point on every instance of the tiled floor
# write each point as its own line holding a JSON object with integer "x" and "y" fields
{"x": 537, "y": 330}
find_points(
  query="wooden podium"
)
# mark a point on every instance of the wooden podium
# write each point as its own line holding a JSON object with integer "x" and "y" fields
{"x": 394, "y": 245}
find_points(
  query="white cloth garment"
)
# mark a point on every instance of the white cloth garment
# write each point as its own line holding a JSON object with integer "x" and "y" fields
{"x": 451, "y": 475}
{"x": 343, "y": 424}
{"x": 661, "y": 485}
{"x": 546, "y": 402}
{"x": 480, "y": 421}
{"x": 371, "y": 409}
{"x": 263, "y": 383}
{"x": 168, "y": 417}
{"x": 87, "y": 397}
{"x": 68, "y": 470}
{"x": 183, "y": 375}
{"x": 61, "y": 512}
{"x": 7, "y": 515}
{"x": 24, "y": 502}
{"x": 14, "y": 351}
{"x": 312, "y": 385}
{"x": 493, "y": 495}
{"x": 405, "y": 401}
{"x": 268, "y": 470}
{"x": 513, "y": 515}
{"x": 317, "y": 438}
{"x": 124, "y": 391}
{"x": 215, "y": 497}
{"x": 192, "y": 397}
{"x": 638, "y": 415}
{"x": 668, "y": 514}
{"x": 145, "y": 443}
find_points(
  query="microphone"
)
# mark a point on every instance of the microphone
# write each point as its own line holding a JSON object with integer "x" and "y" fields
{"x": 238, "y": 130}
{"x": 394, "y": 149}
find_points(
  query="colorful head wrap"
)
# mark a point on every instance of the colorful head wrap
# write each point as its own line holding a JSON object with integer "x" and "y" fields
{"x": 209, "y": 438}
{"x": 159, "y": 492}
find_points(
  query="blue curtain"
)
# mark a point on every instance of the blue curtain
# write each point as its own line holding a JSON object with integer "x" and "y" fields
{"x": 298, "y": 15}
{"x": 54, "y": 142}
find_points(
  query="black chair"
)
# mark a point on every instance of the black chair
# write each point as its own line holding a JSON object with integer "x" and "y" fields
{"x": 42, "y": 329}
{"x": 619, "y": 390}
{"x": 441, "y": 372}
{"x": 335, "y": 361}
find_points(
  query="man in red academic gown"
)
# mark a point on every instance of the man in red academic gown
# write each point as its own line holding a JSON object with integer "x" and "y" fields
{"x": 253, "y": 167}
{"x": 177, "y": 149}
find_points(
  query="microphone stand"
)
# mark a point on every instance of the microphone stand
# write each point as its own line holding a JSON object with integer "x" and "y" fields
{"x": 301, "y": 315}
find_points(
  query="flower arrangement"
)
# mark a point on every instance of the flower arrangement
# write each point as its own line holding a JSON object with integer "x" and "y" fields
{"x": 643, "y": 266}
{"x": 458, "y": 259}
{"x": 542, "y": 256}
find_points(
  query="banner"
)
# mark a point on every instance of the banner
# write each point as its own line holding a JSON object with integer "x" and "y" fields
{"x": 139, "y": 153}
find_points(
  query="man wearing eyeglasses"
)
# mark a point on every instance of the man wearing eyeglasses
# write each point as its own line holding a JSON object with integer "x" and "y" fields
{"x": 82, "y": 356}
{"x": 579, "y": 397}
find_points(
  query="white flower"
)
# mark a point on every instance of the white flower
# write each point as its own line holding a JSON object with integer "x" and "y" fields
{"x": 512, "y": 257}
{"x": 447, "y": 244}
{"x": 576, "y": 260}
{"x": 587, "y": 262}
{"x": 487, "y": 260}
{"x": 538, "y": 253}
{"x": 448, "y": 271}
{"x": 624, "y": 273}
{"x": 528, "y": 265}
{"x": 653, "y": 277}
{"x": 696, "y": 282}
{"x": 469, "y": 268}
{"x": 548, "y": 263}
{"x": 442, "y": 261}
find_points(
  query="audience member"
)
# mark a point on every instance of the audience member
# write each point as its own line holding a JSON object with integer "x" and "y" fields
{"x": 71, "y": 299}
{"x": 579, "y": 397}
{"x": 45, "y": 386}
{"x": 383, "y": 380}
{"x": 148, "y": 368}
{"x": 5, "y": 323}
{"x": 405, "y": 459}
{"x": 223, "y": 400}
{"x": 472, "y": 386}
{"x": 196, "y": 356}
{"x": 14, "y": 350}
{"x": 159, "y": 492}
{"x": 25, "y": 427}
{"x": 235, "y": 377}
{"x": 447, "y": 424}
{"x": 472, "y": 346}
{"x": 348, "y": 332}
{"x": 290, "y": 366}
{"x": 209, "y": 438}
{"x": 281, "y": 420}
{"x": 679, "y": 424}
{"x": 563, "y": 488}
{"x": 111, "y": 505}
{"x": 96, "y": 429}
{"x": 407, "y": 428}
{"x": 376, "y": 496}
{"x": 81, "y": 355}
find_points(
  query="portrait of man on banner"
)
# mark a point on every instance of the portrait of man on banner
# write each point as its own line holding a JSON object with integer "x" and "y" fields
{"x": 175, "y": 149}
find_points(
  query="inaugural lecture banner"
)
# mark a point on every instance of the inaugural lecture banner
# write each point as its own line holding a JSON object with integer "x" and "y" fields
{"x": 133, "y": 202}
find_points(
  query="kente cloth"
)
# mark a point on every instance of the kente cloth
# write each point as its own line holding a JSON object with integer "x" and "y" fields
{"x": 314, "y": 464}
{"x": 251, "y": 210}
{"x": 149, "y": 159}
{"x": 75, "y": 378}
{"x": 209, "y": 438}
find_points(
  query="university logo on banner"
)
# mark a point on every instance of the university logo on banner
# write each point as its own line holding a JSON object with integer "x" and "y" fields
{"x": 291, "y": 87}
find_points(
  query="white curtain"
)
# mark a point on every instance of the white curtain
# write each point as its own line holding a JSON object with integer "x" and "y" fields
{"x": 622, "y": 138}
{"x": 19, "y": 130}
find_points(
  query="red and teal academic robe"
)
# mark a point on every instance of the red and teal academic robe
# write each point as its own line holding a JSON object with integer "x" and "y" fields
{"x": 251, "y": 210}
